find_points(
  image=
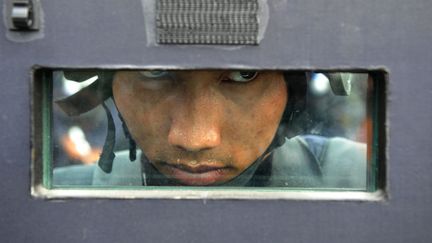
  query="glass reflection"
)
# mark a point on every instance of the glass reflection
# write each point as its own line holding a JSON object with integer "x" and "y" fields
{"x": 212, "y": 128}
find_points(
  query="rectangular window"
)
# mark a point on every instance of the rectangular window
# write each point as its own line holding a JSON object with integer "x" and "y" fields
{"x": 305, "y": 134}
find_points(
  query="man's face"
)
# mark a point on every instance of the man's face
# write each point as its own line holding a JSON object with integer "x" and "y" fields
{"x": 201, "y": 127}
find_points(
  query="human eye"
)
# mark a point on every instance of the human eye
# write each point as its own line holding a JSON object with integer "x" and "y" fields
{"x": 242, "y": 76}
{"x": 155, "y": 79}
{"x": 154, "y": 74}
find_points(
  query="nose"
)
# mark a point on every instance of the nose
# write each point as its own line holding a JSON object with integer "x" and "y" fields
{"x": 195, "y": 123}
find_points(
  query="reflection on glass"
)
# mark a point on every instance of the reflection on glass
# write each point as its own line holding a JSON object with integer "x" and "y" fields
{"x": 212, "y": 128}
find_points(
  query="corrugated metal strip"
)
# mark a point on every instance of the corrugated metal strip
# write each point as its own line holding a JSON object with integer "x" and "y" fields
{"x": 207, "y": 22}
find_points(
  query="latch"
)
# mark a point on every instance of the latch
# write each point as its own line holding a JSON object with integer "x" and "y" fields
{"x": 23, "y": 15}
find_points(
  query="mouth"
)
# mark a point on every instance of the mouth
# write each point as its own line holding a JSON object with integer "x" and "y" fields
{"x": 196, "y": 173}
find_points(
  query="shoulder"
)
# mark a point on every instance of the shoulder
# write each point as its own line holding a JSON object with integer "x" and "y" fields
{"x": 124, "y": 172}
{"x": 314, "y": 161}
{"x": 344, "y": 162}
{"x": 74, "y": 175}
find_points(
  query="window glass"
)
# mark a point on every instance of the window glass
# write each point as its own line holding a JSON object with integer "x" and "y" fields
{"x": 309, "y": 130}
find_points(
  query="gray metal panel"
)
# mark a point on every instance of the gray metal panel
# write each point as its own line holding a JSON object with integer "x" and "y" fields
{"x": 390, "y": 33}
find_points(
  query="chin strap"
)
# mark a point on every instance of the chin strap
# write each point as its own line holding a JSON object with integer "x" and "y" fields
{"x": 132, "y": 144}
{"x": 107, "y": 157}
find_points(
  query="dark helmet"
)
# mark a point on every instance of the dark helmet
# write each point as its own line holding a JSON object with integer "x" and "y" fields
{"x": 294, "y": 119}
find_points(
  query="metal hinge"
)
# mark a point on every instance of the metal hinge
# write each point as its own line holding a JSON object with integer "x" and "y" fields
{"x": 23, "y": 15}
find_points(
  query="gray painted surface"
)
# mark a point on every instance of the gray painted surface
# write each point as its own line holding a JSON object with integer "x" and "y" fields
{"x": 394, "y": 34}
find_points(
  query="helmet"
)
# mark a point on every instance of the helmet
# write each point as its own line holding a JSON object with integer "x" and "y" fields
{"x": 294, "y": 119}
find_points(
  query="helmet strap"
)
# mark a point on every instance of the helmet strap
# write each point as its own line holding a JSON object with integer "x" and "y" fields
{"x": 132, "y": 143}
{"x": 107, "y": 156}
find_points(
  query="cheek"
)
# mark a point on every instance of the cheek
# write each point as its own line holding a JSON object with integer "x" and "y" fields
{"x": 254, "y": 125}
{"x": 145, "y": 120}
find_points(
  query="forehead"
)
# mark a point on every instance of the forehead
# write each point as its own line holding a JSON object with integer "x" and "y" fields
{"x": 205, "y": 75}
{"x": 200, "y": 71}
{"x": 221, "y": 80}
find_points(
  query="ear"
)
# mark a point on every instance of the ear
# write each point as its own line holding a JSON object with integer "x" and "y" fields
{"x": 292, "y": 123}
